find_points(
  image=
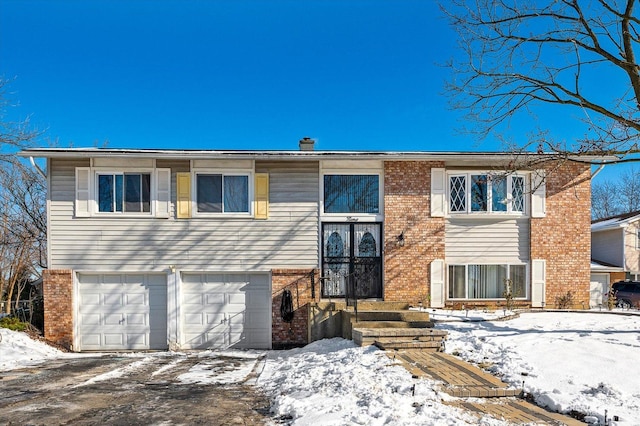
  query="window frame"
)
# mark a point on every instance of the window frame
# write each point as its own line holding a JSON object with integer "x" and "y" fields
{"x": 95, "y": 174}
{"x": 340, "y": 216}
{"x": 508, "y": 266}
{"x": 490, "y": 212}
{"x": 249, "y": 174}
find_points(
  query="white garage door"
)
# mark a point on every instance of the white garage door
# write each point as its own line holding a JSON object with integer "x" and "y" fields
{"x": 226, "y": 311}
{"x": 598, "y": 289}
{"x": 122, "y": 311}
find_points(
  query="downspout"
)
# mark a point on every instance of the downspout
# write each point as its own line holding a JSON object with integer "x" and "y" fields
{"x": 35, "y": 166}
{"x": 597, "y": 171}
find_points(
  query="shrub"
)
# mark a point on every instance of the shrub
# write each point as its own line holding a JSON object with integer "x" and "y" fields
{"x": 611, "y": 299}
{"x": 13, "y": 323}
{"x": 564, "y": 301}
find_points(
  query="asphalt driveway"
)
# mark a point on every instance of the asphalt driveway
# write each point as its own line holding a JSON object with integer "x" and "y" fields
{"x": 152, "y": 389}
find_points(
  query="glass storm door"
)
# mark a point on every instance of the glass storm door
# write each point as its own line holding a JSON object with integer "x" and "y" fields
{"x": 352, "y": 260}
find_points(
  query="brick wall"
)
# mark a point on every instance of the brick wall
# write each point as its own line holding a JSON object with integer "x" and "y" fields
{"x": 563, "y": 236}
{"x": 298, "y": 281}
{"x": 407, "y": 209}
{"x": 58, "y": 306}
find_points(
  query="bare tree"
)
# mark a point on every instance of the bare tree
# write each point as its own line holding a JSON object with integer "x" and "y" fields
{"x": 522, "y": 56}
{"x": 22, "y": 209}
{"x": 630, "y": 190}
{"x": 605, "y": 200}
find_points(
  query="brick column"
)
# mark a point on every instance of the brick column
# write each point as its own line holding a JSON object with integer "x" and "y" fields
{"x": 298, "y": 282}
{"x": 58, "y": 306}
{"x": 407, "y": 210}
{"x": 563, "y": 236}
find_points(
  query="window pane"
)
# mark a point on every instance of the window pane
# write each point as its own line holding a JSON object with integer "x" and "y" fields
{"x": 517, "y": 274}
{"x": 132, "y": 193}
{"x": 479, "y": 199}
{"x": 119, "y": 197}
{"x": 105, "y": 193}
{"x": 499, "y": 194}
{"x": 456, "y": 282}
{"x": 146, "y": 192}
{"x": 236, "y": 194}
{"x": 486, "y": 281}
{"x": 209, "y": 193}
{"x": 351, "y": 194}
{"x": 457, "y": 190}
{"x": 517, "y": 193}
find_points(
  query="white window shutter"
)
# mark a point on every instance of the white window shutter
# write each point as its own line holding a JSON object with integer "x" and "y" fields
{"x": 437, "y": 283}
{"x": 83, "y": 192}
{"x": 438, "y": 192}
{"x": 538, "y": 280}
{"x": 538, "y": 196}
{"x": 163, "y": 192}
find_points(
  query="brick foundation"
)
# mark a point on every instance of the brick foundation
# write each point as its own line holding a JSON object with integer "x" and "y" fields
{"x": 58, "y": 306}
{"x": 407, "y": 210}
{"x": 563, "y": 236}
{"x": 298, "y": 281}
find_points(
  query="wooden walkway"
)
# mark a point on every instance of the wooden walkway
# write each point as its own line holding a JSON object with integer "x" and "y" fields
{"x": 463, "y": 380}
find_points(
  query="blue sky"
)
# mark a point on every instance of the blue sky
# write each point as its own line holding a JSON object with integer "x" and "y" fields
{"x": 361, "y": 75}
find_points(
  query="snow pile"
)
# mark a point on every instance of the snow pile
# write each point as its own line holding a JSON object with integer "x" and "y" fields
{"x": 18, "y": 350}
{"x": 567, "y": 361}
{"x": 333, "y": 382}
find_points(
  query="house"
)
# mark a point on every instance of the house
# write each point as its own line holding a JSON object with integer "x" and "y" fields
{"x": 179, "y": 249}
{"x": 615, "y": 251}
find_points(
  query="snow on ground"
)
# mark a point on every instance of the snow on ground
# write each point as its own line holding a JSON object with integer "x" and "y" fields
{"x": 584, "y": 362}
{"x": 18, "y": 350}
{"x": 568, "y": 361}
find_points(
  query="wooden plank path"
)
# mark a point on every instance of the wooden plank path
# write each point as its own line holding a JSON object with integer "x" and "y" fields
{"x": 463, "y": 380}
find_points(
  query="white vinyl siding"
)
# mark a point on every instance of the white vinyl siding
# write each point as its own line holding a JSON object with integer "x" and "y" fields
{"x": 607, "y": 246}
{"x": 287, "y": 239}
{"x": 469, "y": 241}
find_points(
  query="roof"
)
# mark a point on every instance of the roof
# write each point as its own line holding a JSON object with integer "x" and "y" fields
{"x": 615, "y": 222}
{"x": 598, "y": 266}
{"x": 470, "y": 157}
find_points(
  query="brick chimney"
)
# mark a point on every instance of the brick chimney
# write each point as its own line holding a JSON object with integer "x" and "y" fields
{"x": 306, "y": 144}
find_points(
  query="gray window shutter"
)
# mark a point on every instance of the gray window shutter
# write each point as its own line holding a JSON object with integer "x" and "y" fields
{"x": 538, "y": 280}
{"x": 83, "y": 192}
{"x": 538, "y": 196}
{"x": 438, "y": 192}
{"x": 163, "y": 192}
{"x": 437, "y": 283}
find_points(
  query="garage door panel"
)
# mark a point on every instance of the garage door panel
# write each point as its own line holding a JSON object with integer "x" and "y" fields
{"x": 214, "y": 299}
{"x": 122, "y": 311}
{"x": 231, "y": 302}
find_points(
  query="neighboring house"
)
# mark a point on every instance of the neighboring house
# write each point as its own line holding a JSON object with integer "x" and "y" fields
{"x": 155, "y": 249}
{"x": 615, "y": 250}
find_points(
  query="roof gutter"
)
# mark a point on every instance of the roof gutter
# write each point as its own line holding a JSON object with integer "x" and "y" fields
{"x": 598, "y": 170}
{"x": 38, "y": 169}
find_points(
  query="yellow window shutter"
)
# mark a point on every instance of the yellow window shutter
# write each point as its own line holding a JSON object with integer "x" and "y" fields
{"x": 262, "y": 196}
{"x": 183, "y": 195}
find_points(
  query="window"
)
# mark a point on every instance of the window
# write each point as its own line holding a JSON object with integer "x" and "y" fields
{"x": 351, "y": 194}
{"x": 638, "y": 239}
{"x": 486, "y": 193}
{"x": 124, "y": 192}
{"x": 219, "y": 193}
{"x": 487, "y": 281}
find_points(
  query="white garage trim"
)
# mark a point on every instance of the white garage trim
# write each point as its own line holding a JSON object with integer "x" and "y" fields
{"x": 598, "y": 288}
{"x": 225, "y": 310}
{"x": 121, "y": 311}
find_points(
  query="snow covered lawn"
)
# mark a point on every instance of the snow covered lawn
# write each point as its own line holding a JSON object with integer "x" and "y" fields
{"x": 568, "y": 361}
{"x": 585, "y": 362}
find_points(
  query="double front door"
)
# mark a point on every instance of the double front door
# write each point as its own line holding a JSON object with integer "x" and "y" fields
{"x": 352, "y": 260}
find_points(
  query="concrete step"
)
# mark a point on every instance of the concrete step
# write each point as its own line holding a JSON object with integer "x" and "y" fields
{"x": 388, "y": 315}
{"x": 393, "y": 324}
{"x": 369, "y": 336}
{"x": 435, "y": 345}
